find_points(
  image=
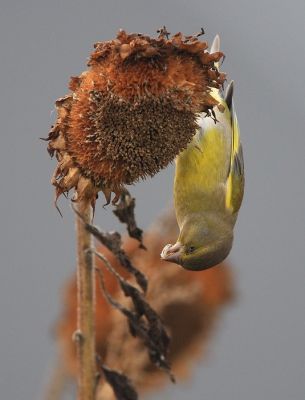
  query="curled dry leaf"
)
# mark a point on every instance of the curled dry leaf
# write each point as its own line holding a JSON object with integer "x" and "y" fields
{"x": 112, "y": 241}
{"x": 125, "y": 212}
{"x": 152, "y": 333}
{"x": 131, "y": 113}
{"x": 119, "y": 382}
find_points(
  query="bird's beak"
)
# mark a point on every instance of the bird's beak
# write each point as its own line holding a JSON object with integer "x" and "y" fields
{"x": 172, "y": 253}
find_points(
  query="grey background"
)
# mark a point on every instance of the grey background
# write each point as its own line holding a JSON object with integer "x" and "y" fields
{"x": 258, "y": 352}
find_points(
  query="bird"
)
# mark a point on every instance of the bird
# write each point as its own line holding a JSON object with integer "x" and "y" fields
{"x": 208, "y": 187}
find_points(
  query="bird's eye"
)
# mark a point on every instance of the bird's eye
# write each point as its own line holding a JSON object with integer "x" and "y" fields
{"x": 191, "y": 249}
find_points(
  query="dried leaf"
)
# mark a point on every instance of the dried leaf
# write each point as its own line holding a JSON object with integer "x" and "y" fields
{"x": 113, "y": 242}
{"x": 125, "y": 212}
{"x": 152, "y": 335}
{"x": 120, "y": 383}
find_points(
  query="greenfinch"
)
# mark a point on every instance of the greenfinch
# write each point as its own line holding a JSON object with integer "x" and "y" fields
{"x": 208, "y": 187}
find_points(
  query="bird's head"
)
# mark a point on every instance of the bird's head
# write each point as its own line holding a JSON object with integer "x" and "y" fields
{"x": 200, "y": 246}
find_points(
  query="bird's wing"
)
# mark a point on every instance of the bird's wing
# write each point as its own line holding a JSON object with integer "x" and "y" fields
{"x": 235, "y": 181}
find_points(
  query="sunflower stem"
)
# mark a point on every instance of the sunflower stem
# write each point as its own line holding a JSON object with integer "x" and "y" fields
{"x": 84, "y": 335}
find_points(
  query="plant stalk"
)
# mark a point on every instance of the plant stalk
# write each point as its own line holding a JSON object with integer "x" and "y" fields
{"x": 85, "y": 309}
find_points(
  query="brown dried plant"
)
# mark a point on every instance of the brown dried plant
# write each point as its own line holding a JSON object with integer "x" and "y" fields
{"x": 132, "y": 112}
{"x": 188, "y": 303}
{"x": 128, "y": 116}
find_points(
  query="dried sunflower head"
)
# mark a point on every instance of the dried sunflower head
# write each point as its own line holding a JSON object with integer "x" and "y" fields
{"x": 131, "y": 113}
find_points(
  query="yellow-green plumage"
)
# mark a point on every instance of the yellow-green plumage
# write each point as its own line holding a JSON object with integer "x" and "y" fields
{"x": 208, "y": 188}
